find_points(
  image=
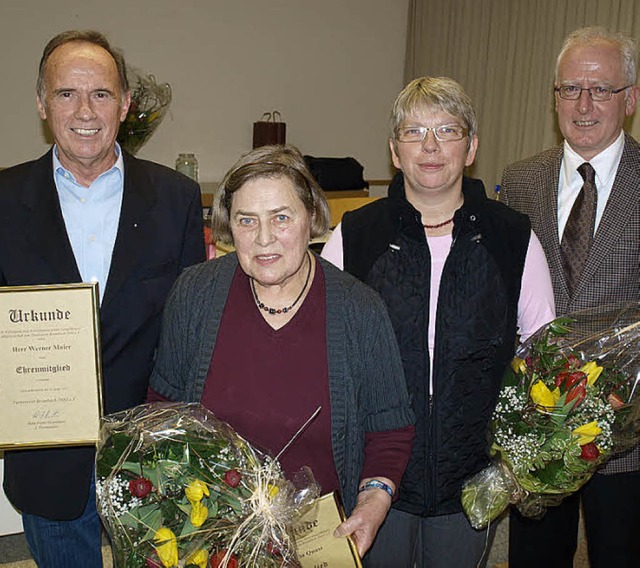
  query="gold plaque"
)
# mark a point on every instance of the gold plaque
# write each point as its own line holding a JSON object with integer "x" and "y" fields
{"x": 315, "y": 544}
{"x": 50, "y": 366}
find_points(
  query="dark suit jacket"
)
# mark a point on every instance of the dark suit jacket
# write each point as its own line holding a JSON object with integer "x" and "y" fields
{"x": 159, "y": 234}
{"x": 612, "y": 271}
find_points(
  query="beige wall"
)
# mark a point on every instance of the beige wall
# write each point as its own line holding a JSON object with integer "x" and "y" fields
{"x": 331, "y": 67}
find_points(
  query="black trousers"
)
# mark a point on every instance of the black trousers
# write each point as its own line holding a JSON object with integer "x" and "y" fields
{"x": 611, "y": 505}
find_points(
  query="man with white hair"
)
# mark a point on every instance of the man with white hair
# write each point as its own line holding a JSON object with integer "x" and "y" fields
{"x": 583, "y": 199}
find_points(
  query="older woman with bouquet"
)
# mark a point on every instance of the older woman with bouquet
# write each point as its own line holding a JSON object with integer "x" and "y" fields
{"x": 267, "y": 334}
{"x": 462, "y": 276}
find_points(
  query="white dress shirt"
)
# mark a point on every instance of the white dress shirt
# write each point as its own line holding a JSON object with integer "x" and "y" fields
{"x": 605, "y": 165}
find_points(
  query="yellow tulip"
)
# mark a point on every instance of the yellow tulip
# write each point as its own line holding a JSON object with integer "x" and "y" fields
{"x": 273, "y": 490}
{"x": 587, "y": 432}
{"x": 592, "y": 370}
{"x": 543, "y": 397}
{"x": 519, "y": 365}
{"x": 168, "y": 549}
{"x": 196, "y": 490}
{"x": 199, "y": 514}
{"x": 199, "y": 558}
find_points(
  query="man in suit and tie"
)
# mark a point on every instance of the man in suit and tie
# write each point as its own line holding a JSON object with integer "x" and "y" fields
{"x": 88, "y": 211}
{"x": 583, "y": 199}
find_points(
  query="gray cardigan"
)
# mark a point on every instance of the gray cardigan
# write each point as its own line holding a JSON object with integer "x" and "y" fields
{"x": 366, "y": 382}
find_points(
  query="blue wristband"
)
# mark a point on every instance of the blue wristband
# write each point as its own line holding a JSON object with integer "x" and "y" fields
{"x": 375, "y": 484}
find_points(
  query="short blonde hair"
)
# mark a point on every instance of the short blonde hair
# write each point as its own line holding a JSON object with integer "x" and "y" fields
{"x": 440, "y": 92}
{"x": 272, "y": 162}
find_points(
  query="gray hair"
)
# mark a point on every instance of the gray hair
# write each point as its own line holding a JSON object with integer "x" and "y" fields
{"x": 86, "y": 36}
{"x": 627, "y": 47}
{"x": 440, "y": 92}
{"x": 271, "y": 162}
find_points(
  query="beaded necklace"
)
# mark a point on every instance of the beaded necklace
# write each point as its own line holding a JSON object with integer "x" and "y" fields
{"x": 273, "y": 311}
{"x": 438, "y": 225}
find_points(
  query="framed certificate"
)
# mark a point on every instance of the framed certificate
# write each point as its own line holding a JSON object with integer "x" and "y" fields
{"x": 313, "y": 533}
{"x": 50, "y": 366}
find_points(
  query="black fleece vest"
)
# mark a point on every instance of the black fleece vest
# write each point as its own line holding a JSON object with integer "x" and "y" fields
{"x": 385, "y": 246}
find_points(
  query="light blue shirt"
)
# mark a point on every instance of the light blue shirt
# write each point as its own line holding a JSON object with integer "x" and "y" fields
{"x": 91, "y": 216}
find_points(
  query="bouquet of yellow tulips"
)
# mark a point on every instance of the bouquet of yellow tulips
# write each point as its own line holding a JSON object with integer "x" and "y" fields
{"x": 569, "y": 401}
{"x": 178, "y": 487}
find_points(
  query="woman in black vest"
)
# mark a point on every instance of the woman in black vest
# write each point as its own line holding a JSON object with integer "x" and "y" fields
{"x": 462, "y": 276}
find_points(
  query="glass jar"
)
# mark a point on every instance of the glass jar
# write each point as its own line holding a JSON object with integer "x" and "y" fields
{"x": 187, "y": 164}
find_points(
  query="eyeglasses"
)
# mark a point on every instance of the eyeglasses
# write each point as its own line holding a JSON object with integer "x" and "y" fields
{"x": 444, "y": 133}
{"x": 599, "y": 93}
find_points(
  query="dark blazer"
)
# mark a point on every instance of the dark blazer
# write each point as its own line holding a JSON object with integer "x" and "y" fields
{"x": 159, "y": 234}
{"x": 612, "y": 271}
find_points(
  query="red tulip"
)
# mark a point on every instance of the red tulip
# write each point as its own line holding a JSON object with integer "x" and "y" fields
{"x": 573, "y": 362}
{"x": 140, "y": 487}
{"x": 590, "y": 452}
{"x": 232, "y": 478}
{"x": 574, "y": 383}
{"x": 153, "y": 561}
{"x": 561, "y": 377}
{"x": 218, "y": 557}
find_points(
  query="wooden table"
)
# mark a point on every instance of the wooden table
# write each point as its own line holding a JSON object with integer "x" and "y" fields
{"x": 342, "y": 201}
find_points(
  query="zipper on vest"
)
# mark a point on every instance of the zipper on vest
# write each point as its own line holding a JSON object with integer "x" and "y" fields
{"x": 431, "y": 470}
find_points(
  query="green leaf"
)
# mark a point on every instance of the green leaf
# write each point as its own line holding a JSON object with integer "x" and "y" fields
{"x": 129, "y": 520}
{"x": 231, "y": 501}
{"x": 154, "y": 522}
{"x": 143, "y": 512}
{"x": 561, "y": 326}
{"x": 213, "y": 508}
{"x": 188, "y": 528}
{"x": 550, "y": 472}
{"x": 510, "y": 378}
{"x": 133, "y": 468}
{"x": 561, "y": 411}
{"x": 111, "y": 453}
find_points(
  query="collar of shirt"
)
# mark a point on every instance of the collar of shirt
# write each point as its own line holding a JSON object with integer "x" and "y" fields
{"x": 60, "y": 172}
{"x": 91, "y": 216}
{"x": 605, "y": 165}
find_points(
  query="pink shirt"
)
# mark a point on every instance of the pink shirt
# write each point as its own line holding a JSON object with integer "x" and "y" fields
{"x": 536, "y": 306}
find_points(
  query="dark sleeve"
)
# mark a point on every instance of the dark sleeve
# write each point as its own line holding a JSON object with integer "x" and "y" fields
{"x": 387, "y": 453}
{"x": 175, "y": 356}
{"x": 193, "y": 247}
